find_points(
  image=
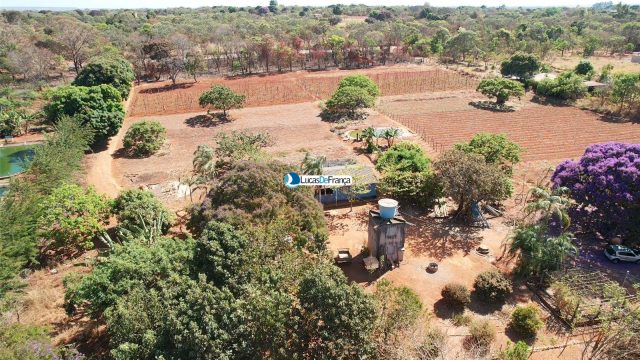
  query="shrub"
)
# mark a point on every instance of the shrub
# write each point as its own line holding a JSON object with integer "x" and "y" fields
{"x": 116, "y": 72}
{"x": 525, "y": 320}
{"x": 482, "y": 333}
{"x": 405, "y": 157}
{"x": 71, "y": 217}
{"x": 567, "y": 86}
{"x": 144, "y": 138}
{"x": 456, "y": 295}
{"x": 492, "y": 286}
{"x": 517, "y": 351}
{"x": 420, "y": 189}
{"x": 500, "y": 89}
{"x": 139, "y": 208}
{"x": 461, "y": 320}
{"x": 585, "y": 68}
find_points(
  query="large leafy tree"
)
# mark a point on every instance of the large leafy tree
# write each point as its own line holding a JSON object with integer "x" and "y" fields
{"x": 520, "y": 65}
{"x": 360, "y": 81}
{"x": 97, "y": 107}
{"x": 468, "y": 178}
{"x": 354, "y": 92}
{"x": 220, "y": 97}
{"x": 604, "y": 182}
{"x": 116, "y": 72}
{"x": 625, "y": 89}
{"x": 500, "y": 89}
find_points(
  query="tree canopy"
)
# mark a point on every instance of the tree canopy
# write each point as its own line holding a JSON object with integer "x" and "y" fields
{"x": 501, "y": 89}
{"x": 116, "y": 72}
{"x": 521, "y": 65}
{"x": 220, "y": 97}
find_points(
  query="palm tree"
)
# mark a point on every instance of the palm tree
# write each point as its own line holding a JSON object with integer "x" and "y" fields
{"x": 550, "y": 204}
{"x": 368, "y": 135}
{"x": 390, "y": 135}
{"x": 204, "y": 162}
{"x": 312, "y": 165}
{"x": 539, "y": 252}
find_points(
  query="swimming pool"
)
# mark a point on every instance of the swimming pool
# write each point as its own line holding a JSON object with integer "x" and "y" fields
{"x": 14, "y": 159}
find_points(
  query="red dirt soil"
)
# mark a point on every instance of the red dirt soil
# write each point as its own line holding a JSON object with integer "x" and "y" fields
{"x": 544, "y": 132}
{"x": 303, "y": 86}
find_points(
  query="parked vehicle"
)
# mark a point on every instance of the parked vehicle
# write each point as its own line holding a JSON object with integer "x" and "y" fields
{"x": 617, "y": 253}
{"x": 343, "y": 257}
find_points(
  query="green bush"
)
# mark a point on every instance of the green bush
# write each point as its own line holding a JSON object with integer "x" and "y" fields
{"x": 456, "y": 295}
{"x": 137, "y": 208}
{"x": 525, "y": 320}
{"x": 144, "y": 138}
{"x": 517, "y": 351}
{"x": 116, "y": 72}
{"x": 420, "y": 189}
{"x": 567, "y": 86}
{"x": 584, "y": 68}
{"x": 404, "y": 157}
{"x": 482, "y": 333}
{"x": 71, "y": 217}
{"x": 492, "y": 286}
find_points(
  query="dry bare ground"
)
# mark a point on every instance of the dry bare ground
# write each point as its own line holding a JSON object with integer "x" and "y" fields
{"x": 297, "y": 87}
{"x": 545, "y": 132}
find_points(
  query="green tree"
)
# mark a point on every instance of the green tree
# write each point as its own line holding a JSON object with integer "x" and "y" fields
{"x": 221, "y": 254}
{"x": 404, "y": 157}
{"x": 221, "y": 98}
{"x": 497, "y": 149}
{"x": 468, "y": 178}
{"x": 420, "y": 189}
{"x": 501, "y": 89}
{"x": 539, "y": 252}
{"x": 71, "y": 218}
{"x": 144, "y": 138}
{"x": 584, "y": 67}
{"x": 521, "y": 65}
{"x": 625, "y": 89}
{"x": 97, "y": 107}
{"x": 116, "y": 72}
{"x": 550, "y": 205}
{"x": 312, "y": 165}
{"x": 462, "y": 44}
{"x": 567, "y": 86}
{"x": 360, "y": 81}
{"x": 325, "y": 331}
{"x": 346, "y": 101}
{"x": 194, "y": 64}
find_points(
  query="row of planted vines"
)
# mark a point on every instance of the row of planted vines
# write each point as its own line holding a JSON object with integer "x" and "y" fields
{"x": 290, "y": 89}
{"x": 542, "y": 131}
{"x": 585, "y": 297}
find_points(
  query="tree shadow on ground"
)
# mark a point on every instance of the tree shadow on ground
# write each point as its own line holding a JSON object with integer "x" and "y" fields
{"x": 483, "y": 307}
{"x": 207, "y": 121}
{"x": 165, "y": 88}
{"x": 444, "y": 311}
{"x": 355, "y": 271}
{"x": 491, "y": 106}
{"x": 541, "y": 100}
{"x": 442, "y": 238}
{"x": 89, "y": 334}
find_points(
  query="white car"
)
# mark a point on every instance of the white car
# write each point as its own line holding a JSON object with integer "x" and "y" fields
{"x": 617, "y": 253}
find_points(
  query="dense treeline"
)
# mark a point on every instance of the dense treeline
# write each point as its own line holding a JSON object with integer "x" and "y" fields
{"x": 226, "y": 40}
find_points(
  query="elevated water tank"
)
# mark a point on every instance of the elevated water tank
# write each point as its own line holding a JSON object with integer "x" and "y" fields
{"x": 388, "y": 208}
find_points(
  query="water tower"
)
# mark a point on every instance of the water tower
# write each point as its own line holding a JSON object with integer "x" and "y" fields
{"x": 386, "y": 233}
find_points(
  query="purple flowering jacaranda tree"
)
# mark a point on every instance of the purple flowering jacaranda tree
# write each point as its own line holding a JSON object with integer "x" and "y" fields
{"x": 605, "y": 183}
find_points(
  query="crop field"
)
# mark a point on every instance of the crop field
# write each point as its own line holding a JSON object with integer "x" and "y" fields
{"x": 544, "y": 132}
{"x": 163, "y": 98}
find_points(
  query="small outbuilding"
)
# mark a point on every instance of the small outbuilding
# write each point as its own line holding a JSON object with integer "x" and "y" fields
{"x": 386, "y": 237}
{"x": 334, "y": 196}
